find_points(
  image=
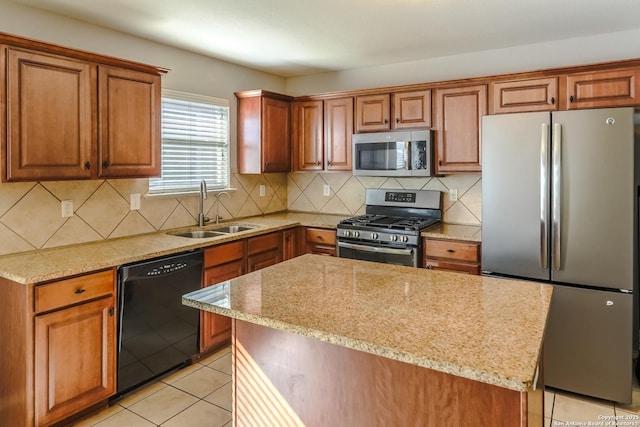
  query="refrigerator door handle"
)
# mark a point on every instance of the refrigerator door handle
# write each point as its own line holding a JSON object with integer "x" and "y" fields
{"x": 556, "y": 195}
{"x": 544, "y": 195}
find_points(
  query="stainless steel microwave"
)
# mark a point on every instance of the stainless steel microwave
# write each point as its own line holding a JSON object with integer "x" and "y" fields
{"x": 400, "y": 153}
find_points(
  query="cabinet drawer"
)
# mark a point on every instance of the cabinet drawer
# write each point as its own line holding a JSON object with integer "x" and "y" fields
{"x": 72, "y": 291}
{"x": 223, "y": 254}
{"x": 434, "y": 264}
{"x": 459, "y": 251}
{"x": 320, "y": 235}
{"x": 264, "y": 243}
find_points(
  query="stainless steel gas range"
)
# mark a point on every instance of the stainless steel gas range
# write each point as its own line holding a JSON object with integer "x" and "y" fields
{"x": 389, "y": 231}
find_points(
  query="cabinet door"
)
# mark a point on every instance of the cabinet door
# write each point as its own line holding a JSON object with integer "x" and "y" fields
{"x": 307, "y": 135}
{"x": 264, "y": 259}
{"x": 412, "y": 109}
{"x": 276, "y": 146}
{"x": 320, "y": 241}
{"x": 603, "y": 89}
{"x": 216, "y": 329}
{"x": 290, "y": 243}
{"x": 458, "y": 118}
{"x": 129, "y": 123}
{"x": 338, "y": 119}
{"x": 75, "y": 359}
{"x": 523, "y": 95}
{"x": 372, "y": 113}
{"x": 49, "y": 118}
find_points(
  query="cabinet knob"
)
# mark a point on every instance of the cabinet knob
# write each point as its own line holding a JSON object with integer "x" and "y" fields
{"x": 571, "y": 98}
{"x": 450, "y": 251}
{"x": 386, "y": 121}
{"x": 329, "y": 162}
{"x": 318, "y": 163}
{"x": 79, "y": 291}
{"x": 553, "y": 100}
{"x": 87, "y": 165}
{"x": 111, "y": 311}
{"x": 105, "y": 164}
{"x": 397, "y": 120}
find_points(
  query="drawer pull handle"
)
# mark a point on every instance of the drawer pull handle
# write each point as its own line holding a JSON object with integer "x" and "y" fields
{"x": 450, "y": 251}
{"x": 79, "y": 291}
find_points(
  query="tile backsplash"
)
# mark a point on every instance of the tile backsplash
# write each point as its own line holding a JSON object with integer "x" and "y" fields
{"x": 31, "y": 213}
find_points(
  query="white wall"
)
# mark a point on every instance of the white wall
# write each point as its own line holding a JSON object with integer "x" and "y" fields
{"x": 575, "y": 51}
{"x": 190, "y": 72}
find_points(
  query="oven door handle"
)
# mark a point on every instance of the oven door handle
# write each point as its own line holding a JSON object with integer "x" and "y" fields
{"x": 379, "y": 249}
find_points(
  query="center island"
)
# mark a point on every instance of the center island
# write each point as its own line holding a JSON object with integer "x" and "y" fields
{"x": 325, "y": 341}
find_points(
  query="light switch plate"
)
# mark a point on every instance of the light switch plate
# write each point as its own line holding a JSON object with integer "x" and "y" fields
{"x": 262, "y": 190}
{"x": 135, "y": 201}
{"x": 453, "y": 195}
{"x": 327, "y": 190}
{"x": 67, "y": 208}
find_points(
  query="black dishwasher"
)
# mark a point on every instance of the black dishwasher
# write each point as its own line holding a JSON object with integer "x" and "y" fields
{"x": 156, "y": 333}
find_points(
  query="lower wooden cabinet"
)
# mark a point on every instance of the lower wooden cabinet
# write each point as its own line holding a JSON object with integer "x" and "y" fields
{"x": 451, "y": 255}
{"x": 264, "y": 250}
{"x": 221, "y": 262}
{"x": 290, "y": 243}
{"x": 321, "y": 241}
{"x": 75, "y": 359}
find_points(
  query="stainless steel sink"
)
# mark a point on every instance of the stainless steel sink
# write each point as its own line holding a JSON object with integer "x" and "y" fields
{"x": 199, "y": 234}
{"x": 234, "y": 228}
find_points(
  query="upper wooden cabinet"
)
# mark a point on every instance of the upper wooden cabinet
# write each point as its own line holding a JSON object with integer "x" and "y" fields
{"x": 321, "y": 134}
{"x": 129, "y": 123}
{"x": 458, "y": 117}
{"x": 514, "y": 96}
{"x": 609, "y": 88}
{"x": 263, "y": 132}
{"x": 67, "y": 115}
{"x": 411, "y": 109}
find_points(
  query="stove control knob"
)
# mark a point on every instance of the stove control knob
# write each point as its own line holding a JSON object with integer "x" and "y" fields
{"x": 374, "y": 236}
{"x": 393, "y": 238}
{"x": 356, "y": 234}
{"x": 347, "y": 233}
{"x": 405, "y": 239}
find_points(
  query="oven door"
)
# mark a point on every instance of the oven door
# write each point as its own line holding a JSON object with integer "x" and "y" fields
{"x": 389, "y": 255}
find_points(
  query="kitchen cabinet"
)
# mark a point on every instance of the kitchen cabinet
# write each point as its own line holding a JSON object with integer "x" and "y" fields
{"x": 607, "y": 88}
{"x": 458, "y": 118}
{"x": 70, "y": 116}
{"x": 515, "y": 96}
{"x": 264, "y": 250}
{"x": 321, "y": 241}
{"x": 221, "y": 262}
{"x": 322, "y": 134}
{"x": 411, "y": 109}
{"x": 264, "y": 143}
{"x": 129, "y": 121}
{"x": 451, "y": 255}
{"x": 290, "y": 243}
{"x": 59, "y": 344}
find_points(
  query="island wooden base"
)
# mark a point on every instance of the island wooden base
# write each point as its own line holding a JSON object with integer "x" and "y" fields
{"x": 284, "y": 379}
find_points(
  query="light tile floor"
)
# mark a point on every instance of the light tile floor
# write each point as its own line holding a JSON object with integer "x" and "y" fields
{"x": 200, "y": 396}
{"x": 195, "y": 396}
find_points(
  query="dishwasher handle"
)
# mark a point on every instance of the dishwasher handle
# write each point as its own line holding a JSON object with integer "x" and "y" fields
{"x": 159, "y": 267}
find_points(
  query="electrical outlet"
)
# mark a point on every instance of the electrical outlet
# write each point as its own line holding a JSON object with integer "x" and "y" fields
{"x": 135, "y": 201}
{"x": 67, "y": 208}
{"x": 453, "y": 195}
{"x": 326, "y": 191}
{"x": 262, "y": 190}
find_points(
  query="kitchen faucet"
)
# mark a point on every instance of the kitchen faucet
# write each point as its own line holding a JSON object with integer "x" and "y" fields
{"x": 203, "y": 196}
{"x": 218, "y": 204}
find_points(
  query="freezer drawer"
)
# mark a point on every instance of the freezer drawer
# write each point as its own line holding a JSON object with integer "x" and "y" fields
{"x": 588, "y": 343}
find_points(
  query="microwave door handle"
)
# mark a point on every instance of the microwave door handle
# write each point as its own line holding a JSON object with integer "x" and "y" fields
{"x": 406, "y": 155}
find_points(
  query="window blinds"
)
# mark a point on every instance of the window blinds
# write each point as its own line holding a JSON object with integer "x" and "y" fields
{"x": 195, "y": 143}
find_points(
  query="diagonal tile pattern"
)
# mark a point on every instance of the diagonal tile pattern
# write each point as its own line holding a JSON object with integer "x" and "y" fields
{"x": 30, "y": 213}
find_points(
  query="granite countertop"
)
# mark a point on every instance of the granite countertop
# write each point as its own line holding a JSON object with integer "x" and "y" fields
{"x": 472, "y": 233}
{"x": 476, "y": 327}
{"x": 55, "y": 263}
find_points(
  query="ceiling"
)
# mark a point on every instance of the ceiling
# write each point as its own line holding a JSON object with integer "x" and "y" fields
{"x": 300, "y": 37}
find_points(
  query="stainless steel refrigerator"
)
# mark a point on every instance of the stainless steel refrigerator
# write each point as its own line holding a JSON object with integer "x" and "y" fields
{"x": 560, "y": 205}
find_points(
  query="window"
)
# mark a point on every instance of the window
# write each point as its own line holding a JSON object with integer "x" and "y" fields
{"x": 195, "y": 143}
